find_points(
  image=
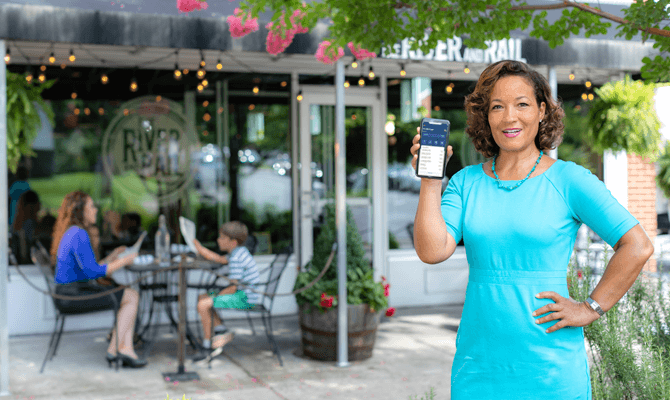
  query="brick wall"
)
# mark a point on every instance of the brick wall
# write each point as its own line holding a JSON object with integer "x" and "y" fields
{"x": 642, "y": 197}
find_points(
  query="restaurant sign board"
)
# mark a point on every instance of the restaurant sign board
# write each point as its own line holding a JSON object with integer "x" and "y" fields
{"x": 149, "y": 139}
{"x": 453, "y": 50}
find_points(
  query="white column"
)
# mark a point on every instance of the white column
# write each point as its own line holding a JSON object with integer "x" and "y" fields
{"x": 553, "y": 84}
{"x": 380, "y": 194}
{"x": 295, "y": 173}
{"x": 341, "y": 220}
{"x": 4, "y": 255}
{"x": 615, "y": 175}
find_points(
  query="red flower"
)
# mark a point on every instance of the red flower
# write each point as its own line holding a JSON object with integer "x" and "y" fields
{"x": 323, "y": 295}
{"x": 279, "y": 38}
{"x": 327, "y": 302}
{"x": 390, "y": 311}
{"x": 386, "y": 289}
{"x": 579, "y": 274}
{"x": 190, "y": 5}
{"x": 383, "y": 278}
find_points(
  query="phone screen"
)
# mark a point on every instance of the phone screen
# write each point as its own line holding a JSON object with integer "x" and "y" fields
{"x": 434, "y": 137}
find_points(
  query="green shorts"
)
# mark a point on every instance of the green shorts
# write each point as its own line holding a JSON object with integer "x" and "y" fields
{"x": 236, "y": 300}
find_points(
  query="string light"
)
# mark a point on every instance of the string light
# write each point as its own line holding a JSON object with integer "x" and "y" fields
{"x": 133, "y": 85}
{"x": 29, "y": 76}
{"x": 361, "y": 81}
{"x": 448, "y": 89}
{"x": 572, "y": 75}
{"x": 72, "y": 58}
{"x": 299, "y": 98}
{"x": 205, "y": 83}
{"x": 77, "y": 111}
{"x": 371, "y": 74}
{"x": 354, "y": 64}
{"x": 158, "y": 99}
{"x": 590, "y": 96}
{"x": 8, "y": 56}
{"x": 73, "y": 95}
{"x": 402, "y": 70}
{"x": 283, "y": 84}
{"x": 466, "y": 69}
{"x": 62, "y": 66}
{"x": 185, "y": 71}
{"x": 201, "y": 73}
{"x": 200, "y": 88}
{"x": 43, "y": 67}
{"x": 584, "y": 96}
{"x": 218, "y": 64}
{"x": 87, "y": 111}
{"x": 251, "y": 107}
{"x": 42, "y": 77}
{"x": 104, "y": 79}
{"x": 177, "y": 72}
{"x": 587, "y": 83}
{"x": 101, "y": 111}
{"x": 205, "y": 103}
{"x": 52, "y": 58}
{"x": 255, "y": 90}
{"x": 206, "y": 117}
{"x": 346, "y": 83}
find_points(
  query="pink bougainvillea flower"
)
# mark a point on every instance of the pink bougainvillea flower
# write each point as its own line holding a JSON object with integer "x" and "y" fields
{"x": 360, "y": 54}
{"x": 390, "y": 311}
{"x": 383, "y": 278}
{"x": 279, "y": 37}
{"x": 237, "y": 29}
{"x": 328, "y": 56}
{"x": 579, "y": 274}
{"x": 386, "y": 289}
{"x": 191, "y": 5}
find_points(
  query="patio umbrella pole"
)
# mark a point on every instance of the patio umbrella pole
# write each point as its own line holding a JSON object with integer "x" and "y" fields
{"x": 181, "y": 374}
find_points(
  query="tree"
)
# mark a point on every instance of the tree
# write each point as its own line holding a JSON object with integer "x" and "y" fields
{"x": 382, "y": 23}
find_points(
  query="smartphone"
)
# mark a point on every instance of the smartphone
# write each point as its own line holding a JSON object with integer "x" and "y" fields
{"x": 432, "y": 155}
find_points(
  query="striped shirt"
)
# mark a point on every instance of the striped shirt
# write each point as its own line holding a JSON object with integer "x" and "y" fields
{"x": 243, "y": 268}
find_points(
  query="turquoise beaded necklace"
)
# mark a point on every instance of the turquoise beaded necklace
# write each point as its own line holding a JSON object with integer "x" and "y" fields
{"x": 510, "y": 188}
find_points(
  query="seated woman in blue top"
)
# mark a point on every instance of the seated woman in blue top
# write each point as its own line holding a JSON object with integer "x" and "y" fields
{"x": 76, "y": 268}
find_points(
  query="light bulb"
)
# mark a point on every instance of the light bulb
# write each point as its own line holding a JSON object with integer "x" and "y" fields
{"x": 571, "y": 76}
{"x": 87, "y": 111}
{"x": 205, "y": 83}
{"x": 201, "y": 73}
{"x": 587, "y": 84}
{"x": 402, "y": 70}
{"x": 43, "y": 67}
{"x": 185, "y": 72}
{"x": 104, "y": 79}
{"x": 584, "y": 96}
{"x": 283, "y": 84}
{"x": 101, "y": 111}
{"x": 255, "y": 90}
{"x": 449, "y": 89}
{"x": 354, "y": 64}
{"x": 52, "y": 58}
{"x": 133, "y": 85}
{"x": 466, "y": 70}
{"x": 177, "y": 72}
{"x": 77, "y": 111}
{"x": 72, "y": 58}
{"x": 219, "y": 65}
{"x": 371, "y": 74}
{"x": 200, "y": 88}
{"x": 202, "y": 62}
{"x": 590, "y": 96}
{"x": 42, "y": 77}
{"x": 73, "y": 95}
{"x": 8, "y": 57}
{"x": 205, "y": 103}
{"x": 29, "y": 77}
{"x": 158, "y": 99}
{"x": 299, "y": 96}
{"x": 346, "y": 84}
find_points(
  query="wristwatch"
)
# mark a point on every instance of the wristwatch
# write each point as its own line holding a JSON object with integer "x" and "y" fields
{"x": 596, "y": 307}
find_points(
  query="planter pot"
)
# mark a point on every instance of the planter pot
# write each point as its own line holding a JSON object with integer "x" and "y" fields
{"x": 319, "y": 332}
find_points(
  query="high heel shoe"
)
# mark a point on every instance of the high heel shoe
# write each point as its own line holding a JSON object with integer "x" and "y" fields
{"x": 111, "y": 359}
{"x": 132, "y": 362}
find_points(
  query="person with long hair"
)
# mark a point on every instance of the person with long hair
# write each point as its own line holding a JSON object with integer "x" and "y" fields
{"x": 24, "y": 225}
{"x": 77, "y": 268}
{"x": 521, "y": 334}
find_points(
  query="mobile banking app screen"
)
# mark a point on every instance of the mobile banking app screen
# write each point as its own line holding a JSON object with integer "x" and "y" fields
{"x": 433, "y": 140}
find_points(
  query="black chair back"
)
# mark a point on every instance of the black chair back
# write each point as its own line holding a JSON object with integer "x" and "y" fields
{"x": 276, "y": 269}
{"x": 41, "y": 258}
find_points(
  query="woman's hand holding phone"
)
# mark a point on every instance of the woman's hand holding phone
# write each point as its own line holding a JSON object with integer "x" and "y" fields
{"x": 416, "y": 144}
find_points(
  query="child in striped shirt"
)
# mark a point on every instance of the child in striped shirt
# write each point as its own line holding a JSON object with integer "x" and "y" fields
{"x": 243, "y": 270}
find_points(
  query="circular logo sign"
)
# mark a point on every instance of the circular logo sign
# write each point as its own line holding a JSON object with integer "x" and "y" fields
{"x": 149, "y": 139}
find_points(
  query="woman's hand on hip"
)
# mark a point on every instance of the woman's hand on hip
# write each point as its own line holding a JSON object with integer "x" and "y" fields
{"x": 415, "y": 148}
{"x": 569, "y": 312}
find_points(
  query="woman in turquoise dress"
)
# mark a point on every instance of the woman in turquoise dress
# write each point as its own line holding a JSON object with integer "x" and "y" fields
{"x": 521, "y": 335}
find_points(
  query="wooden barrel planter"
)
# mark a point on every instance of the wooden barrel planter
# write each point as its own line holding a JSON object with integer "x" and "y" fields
{"x": 319, "y": 332}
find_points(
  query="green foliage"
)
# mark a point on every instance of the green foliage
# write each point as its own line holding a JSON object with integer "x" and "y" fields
{"x": 393, "y": 241}
{"x": 23, "y": 120}
{"x": 278, "y": 223}
{"x": 430, "y": 395}
{"x": 630, "y": 342}
{"x": 623, "y": 118}
{"x": 361, "y": 287}
{"x": 663, "y": 176}
{"x": 575, "y": 146}
{"x": 382, "y": 23}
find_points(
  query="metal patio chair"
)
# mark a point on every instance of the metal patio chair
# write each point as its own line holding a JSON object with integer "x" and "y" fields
{"x": 41, "y": 258}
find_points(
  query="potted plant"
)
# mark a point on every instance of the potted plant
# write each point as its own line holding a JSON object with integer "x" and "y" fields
{"x": 365, "y": 297}
{"x": 663, "y": 176}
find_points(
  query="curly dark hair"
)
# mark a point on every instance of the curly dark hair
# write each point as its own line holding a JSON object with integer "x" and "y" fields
{"x": 550, "y": 132}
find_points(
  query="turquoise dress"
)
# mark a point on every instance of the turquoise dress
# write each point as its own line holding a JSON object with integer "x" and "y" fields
{"x": 518, "y": 243}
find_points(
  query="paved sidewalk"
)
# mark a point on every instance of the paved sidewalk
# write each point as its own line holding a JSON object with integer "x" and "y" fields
{"x": 413, "y": 352}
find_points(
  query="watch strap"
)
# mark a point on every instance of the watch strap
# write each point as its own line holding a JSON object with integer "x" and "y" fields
{"x": 595, "y": 306}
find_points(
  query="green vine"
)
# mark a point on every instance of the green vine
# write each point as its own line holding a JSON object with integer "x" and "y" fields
{"x": 623, "y": 118}
{"x": 23, "y": 121}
